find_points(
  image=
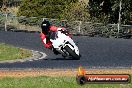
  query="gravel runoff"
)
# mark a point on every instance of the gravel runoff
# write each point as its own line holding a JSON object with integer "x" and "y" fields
{"x": 57, "y": 72}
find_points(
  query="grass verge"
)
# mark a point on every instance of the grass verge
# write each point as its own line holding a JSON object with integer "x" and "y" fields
{"x": 54, "y": 78}
{"x": 52, "y": 82}
{"x": 8, "y": 52}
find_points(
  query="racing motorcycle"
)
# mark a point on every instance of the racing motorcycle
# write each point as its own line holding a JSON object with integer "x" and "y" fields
{"x": 65, "y": 45}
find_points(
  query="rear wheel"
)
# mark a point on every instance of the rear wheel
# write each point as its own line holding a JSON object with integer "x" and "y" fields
{"x": 72, "y": 53}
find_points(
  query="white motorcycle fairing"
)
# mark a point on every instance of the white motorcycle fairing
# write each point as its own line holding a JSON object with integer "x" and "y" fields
{"x": 63, "y": 40}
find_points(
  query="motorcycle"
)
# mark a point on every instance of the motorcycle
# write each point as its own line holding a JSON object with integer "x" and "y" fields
{"x": 65, "y": 45}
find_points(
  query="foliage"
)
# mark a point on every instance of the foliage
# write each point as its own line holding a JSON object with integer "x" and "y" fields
{"x": 1, "y": 2}
{"x": 107, "y": 11}
{"x": 127, "y": 12}
{"x": 76, "y": 11}
{"x": 100, "y": 10}
{"x": 43, "y": 8}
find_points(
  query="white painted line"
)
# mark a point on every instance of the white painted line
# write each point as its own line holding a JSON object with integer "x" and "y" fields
{"x": 36, "y": 56}
{"x": 43, "y": 55}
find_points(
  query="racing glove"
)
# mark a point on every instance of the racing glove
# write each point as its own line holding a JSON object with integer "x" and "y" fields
{"x": 47, "y": 44}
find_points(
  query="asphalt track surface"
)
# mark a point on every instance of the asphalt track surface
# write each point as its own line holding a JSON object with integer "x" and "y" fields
{"x": 96, "y": 52}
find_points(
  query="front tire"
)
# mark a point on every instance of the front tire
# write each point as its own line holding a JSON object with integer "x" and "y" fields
{"x": 72, "y": 53}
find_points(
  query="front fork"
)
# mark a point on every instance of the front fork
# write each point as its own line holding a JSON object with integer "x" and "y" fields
{"x": 62, "y": 52}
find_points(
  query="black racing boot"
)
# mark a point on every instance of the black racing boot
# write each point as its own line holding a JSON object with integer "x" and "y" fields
{"x": 55, "y": 51}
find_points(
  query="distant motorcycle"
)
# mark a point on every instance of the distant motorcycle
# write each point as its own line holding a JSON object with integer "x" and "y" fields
{"x": 65, "y": 45}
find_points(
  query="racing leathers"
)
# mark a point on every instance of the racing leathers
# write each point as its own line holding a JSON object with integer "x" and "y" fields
{"x": 51, "y": 34}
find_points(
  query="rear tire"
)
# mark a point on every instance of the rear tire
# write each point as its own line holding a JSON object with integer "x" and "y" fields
{"x": 72, "y": 53}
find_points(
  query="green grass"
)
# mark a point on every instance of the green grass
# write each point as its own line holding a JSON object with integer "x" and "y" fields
{"x": 52, "y": 82}
{"x": 8, "y": 52}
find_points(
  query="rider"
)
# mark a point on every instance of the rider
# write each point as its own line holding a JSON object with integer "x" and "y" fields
{"x": 48, "y": 32}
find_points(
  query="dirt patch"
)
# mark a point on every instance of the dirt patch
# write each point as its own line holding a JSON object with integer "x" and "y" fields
{"x": 58, "y": 72}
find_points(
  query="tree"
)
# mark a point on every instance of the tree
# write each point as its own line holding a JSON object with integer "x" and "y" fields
{"x": 43, "y": 8}
{"x": 126, "y": 12}
{"x": 76, "y": 11}
{"x": 100, "y": 9}
{"x": 1, "y": 3}
{"x": 107, "y": 11}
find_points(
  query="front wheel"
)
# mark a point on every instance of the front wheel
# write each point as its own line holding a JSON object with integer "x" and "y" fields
{"x": 72, "y": 53}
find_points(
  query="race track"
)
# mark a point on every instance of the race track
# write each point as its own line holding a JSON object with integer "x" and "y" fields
{"x": 96, "y": 52}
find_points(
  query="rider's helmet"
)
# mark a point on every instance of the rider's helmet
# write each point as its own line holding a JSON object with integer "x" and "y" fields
{"x": 45, "y": 26}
